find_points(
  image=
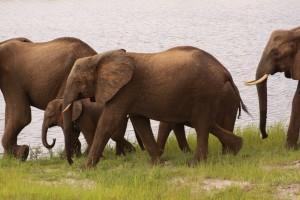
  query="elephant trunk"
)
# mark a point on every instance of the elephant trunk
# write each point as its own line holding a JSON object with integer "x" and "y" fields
{"x": 68, "y": 127}
{"x": 44, "y": 136}
{"x": 262, "y": 97}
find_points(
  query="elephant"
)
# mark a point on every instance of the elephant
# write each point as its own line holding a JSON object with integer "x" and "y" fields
{"x": 33, "y": 74}
{"x": 281, "y": 54}
{"x": 180, "y": 85}
{"x": 85, "y": 114}
{"x": 230, "y": 109}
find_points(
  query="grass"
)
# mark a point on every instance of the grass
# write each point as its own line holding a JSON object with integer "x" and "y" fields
{"x": 263, "y": 169}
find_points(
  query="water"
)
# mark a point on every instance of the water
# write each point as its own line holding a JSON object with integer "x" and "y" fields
{"x": 234, "y": 31}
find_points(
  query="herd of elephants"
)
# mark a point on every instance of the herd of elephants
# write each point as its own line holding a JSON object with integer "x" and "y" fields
{"x": 96, "y": 93}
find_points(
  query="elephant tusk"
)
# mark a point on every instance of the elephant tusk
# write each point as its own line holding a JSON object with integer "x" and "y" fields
{"x": 67, "y": 108}
{"x": 254, "y": 82}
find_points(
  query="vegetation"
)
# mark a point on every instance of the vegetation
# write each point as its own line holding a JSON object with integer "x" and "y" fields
{"x": 263, "y": 169}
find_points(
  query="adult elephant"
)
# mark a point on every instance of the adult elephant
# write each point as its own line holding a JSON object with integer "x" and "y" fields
{"x": 281, "y": 54}
{"x": 180, "y": 85}
{"x": 33, "y": 74}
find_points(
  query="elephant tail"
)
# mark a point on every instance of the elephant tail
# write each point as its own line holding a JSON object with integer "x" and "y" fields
{"x": 242, "y": 105}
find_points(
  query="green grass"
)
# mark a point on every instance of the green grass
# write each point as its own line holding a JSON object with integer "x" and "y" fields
{"x": 264, "y": 165}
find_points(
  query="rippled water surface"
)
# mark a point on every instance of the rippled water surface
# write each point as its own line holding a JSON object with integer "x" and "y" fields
{"x": 234, "y": 31}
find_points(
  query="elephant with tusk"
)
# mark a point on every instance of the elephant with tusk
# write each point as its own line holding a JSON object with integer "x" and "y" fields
{"x": 281, "y": 54}
{"x": 180, "y": 85}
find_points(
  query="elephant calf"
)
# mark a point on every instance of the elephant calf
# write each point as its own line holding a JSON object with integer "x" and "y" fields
{"x": 85, "y": 116}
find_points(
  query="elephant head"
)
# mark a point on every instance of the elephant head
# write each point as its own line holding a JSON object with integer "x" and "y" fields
{"x": 53, "y": 117}
{"x": 100, "y": 77}
{"x": 281, "y": 54}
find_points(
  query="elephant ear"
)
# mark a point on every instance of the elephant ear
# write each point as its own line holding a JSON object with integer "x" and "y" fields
{"x": 295, "y": 71}
{"x": 77, "y": 110}
{"x": 112, "y": 76}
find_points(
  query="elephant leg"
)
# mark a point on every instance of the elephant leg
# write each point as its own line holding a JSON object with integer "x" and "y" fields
{"x": 139, "y": 140}
{"x": 181, "y": 138}
{"x": 228, "y": 125}
{"x": 17, "y": 116}
{"x": 108, "y": 123}
{"x": 233, "y": 142}
{"x": 202, "y": 130}
{"x": 144, "y": 130}
{"x": 163, "y": 134}
{"x": 122, "y": 145}
{"x": 293, "y": 130}
{"x": 227, "y": 115}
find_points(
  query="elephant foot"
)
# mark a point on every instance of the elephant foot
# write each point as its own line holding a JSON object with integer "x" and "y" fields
{"x": 233, "y": 147}
{"x": 156, "y": 161}
{"x": 124, "y": 146}
{"x": 86, "y": 152}
{"x": 128, "y": 146}
{"x": 21, "y": 152}
{"x": 264, "y": 136}
{"x": 186, "y": 150}
{"x": 193, "y": 162}
{"x": 291, "y": 145}
{"x": 77, "y": 149}
{"x": 90, "y": 163}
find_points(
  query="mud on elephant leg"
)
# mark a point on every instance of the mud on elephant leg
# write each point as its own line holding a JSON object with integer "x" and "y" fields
{"x": 293, "y": 130}
{"x": 16, "y": 119}
{"x": 144, "y": 130}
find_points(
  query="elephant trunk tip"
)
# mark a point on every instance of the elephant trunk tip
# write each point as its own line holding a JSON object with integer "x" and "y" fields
{"x": 70, "y": 161}
{"x": 50, "y": 146}
{"x": 264, "y": 134}
{"x": 44, "y": 137}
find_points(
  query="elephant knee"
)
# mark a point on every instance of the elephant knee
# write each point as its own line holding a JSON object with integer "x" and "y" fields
{"x": 12, "y": 129}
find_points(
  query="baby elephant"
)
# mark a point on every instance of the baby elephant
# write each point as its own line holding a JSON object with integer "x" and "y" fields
{"x": 85, "y": 116}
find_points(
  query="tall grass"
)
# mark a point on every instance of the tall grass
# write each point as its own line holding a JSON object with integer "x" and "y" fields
{"x": 265, "y": 165}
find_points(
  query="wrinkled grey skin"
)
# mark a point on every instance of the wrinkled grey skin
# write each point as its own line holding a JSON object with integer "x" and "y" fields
{"x": 86, "y": 115}
{"x": 180, "y": 85}
{"x": 281, "y": 54}
{"x": 33, "y": 74}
